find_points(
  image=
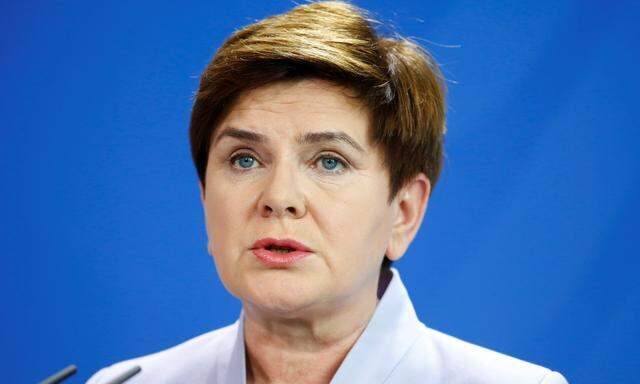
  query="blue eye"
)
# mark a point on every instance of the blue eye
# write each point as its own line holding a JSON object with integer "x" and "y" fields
{"x": 332, "y": 164}
{"x": 329, "y": 163}
{"x": 243, "y": 161}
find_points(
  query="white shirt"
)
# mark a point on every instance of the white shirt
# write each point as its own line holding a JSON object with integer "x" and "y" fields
{"x": 395, "y": 348}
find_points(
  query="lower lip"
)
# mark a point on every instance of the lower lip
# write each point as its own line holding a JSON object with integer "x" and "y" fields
{"x": 275, "y": 259}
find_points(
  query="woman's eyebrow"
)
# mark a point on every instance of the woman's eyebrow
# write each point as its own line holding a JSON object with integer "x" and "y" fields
{"x": 240, "y": 134}
{"x": 329, "y": 136}
{"x": 307, "y": 138}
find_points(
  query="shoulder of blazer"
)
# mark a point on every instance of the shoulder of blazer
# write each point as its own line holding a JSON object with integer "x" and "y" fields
{"x": 445, "y": 358}
{"x": 553, "y": 377}
{"x": 174, "y": 360}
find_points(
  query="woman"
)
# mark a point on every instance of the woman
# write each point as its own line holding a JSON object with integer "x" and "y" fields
{"x": 317, "y": 145}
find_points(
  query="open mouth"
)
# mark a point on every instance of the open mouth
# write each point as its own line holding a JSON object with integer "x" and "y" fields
{"x": 277, "y": 249}
{"x": 280, "y": 252}
{"x": 280, "y": 245}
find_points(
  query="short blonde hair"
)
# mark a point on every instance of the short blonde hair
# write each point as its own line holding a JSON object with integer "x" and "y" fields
{"x": 395, "y": 78}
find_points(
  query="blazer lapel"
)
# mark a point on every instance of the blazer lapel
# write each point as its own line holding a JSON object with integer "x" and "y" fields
{"x": 392, "y": 330}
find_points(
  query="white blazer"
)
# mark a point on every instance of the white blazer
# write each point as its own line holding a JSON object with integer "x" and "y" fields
{"x": 395, "y": 348}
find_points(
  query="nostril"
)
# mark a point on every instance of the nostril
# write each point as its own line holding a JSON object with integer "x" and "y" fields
{"x": 268, "y": 210}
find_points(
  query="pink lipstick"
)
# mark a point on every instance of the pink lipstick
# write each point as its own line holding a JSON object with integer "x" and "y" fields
{"x": 279, "y": 253}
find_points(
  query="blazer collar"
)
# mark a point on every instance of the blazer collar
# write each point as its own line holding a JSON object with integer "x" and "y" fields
{"x": 391, "y": 331}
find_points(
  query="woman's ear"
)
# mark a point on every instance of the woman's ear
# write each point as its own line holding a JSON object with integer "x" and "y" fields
{"x": 410, "y": 206}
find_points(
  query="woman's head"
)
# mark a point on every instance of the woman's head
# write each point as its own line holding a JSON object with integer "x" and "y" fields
{"x": 396, "y": 80}
{"x": 282, "y": 105}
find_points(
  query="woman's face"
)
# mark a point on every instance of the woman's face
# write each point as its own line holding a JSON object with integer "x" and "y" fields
{"x": 293, "y": 161}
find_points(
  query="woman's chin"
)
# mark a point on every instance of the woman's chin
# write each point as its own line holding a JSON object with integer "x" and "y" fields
{"x": 287, "y": 296}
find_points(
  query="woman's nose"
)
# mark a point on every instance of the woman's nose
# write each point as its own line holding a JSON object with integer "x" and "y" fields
{"x": 282, "y": 195}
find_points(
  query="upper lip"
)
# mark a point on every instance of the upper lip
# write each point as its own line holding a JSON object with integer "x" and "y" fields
{"x": 288, "y": 243}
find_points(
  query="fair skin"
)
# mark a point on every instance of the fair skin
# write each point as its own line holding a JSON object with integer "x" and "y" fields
{"x": 301, "y": 320}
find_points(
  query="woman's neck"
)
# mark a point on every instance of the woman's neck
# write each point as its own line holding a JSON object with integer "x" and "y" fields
{"x": 304, "y": 350}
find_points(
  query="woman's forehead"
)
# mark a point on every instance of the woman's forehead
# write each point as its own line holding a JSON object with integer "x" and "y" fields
{"x": 305, "y": 112}
{"x": 309, "y": 96}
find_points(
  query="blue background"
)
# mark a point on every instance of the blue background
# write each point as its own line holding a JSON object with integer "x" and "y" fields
{"x": 529, "y": 245}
